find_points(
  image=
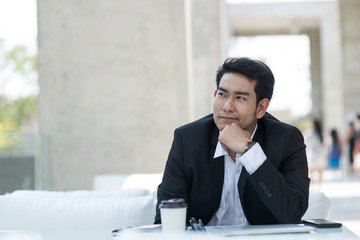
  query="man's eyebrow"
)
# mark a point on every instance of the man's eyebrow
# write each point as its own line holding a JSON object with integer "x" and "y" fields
{"x": 237, "y": 92}
{"x": 223, "y": 89}
{"x": 243, "y": 93}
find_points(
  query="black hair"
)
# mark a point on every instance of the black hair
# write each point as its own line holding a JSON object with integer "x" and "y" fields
{"x": 334, "y": 135}
{"x": 318, "y": 130}
{"x": 254, "y": 70}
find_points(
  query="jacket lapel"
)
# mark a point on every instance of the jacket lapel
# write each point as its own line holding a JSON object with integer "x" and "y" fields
{"x": 259, "y": 135}
{"x": 244, "y": 176}
{"x": 217, "y": 171}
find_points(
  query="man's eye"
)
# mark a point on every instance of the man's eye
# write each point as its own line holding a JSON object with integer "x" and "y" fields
{"x": 240, "y": 98}
{"x": 221, "y": 94}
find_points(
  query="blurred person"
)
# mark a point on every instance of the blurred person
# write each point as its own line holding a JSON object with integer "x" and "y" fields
{"x": 356, "y": 151}
{"x": 357, "y": 136}
{"x": 315, "y": 151}
{"x": 238, "y": 165}
{"x": 335, "y": 150}
{"x": 350, "y": 139}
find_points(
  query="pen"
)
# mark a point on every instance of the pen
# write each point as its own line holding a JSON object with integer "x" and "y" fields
{"x": 121, "y": 229}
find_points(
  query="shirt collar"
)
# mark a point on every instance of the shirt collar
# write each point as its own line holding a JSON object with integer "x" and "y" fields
{"x": 219, "y": 149}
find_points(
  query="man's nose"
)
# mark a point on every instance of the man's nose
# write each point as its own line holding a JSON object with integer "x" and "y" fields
{"x": 229, "y": 105}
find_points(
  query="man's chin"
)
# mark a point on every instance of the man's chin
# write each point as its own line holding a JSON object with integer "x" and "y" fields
{"x": 222, "y": 124}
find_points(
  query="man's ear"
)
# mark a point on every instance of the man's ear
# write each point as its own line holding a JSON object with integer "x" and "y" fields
{"x": 215, "y": 93}
{"x": 261, "y": 108}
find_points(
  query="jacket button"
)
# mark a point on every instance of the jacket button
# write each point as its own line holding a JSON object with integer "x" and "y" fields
{"x": 269, "y": 195}
{"x": 261, "y": 183}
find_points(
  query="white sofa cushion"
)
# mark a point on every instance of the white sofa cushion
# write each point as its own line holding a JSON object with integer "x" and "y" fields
{"x": 54, "y": 210}
{"x": 149, "y": 181}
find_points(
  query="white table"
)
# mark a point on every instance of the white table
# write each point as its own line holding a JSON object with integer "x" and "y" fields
{"x": 105, "y": 234}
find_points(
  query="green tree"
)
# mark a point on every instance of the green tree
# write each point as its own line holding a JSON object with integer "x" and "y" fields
{"x": 16, "y": 62}
{"x": 16, "y": 114}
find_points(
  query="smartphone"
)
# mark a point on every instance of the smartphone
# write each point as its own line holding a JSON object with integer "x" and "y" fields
{"x": 322, "y": 223}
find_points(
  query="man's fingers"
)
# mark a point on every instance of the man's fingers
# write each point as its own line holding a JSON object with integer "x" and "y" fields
{"x": 234, "y": 138}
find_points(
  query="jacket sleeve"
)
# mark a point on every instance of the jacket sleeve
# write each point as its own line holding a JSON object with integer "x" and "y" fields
{"x": 175, "y": 182}
{"x": 282, "y": 181}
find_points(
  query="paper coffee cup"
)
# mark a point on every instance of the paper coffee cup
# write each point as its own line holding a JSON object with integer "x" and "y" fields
{"x": 173, "y": 215}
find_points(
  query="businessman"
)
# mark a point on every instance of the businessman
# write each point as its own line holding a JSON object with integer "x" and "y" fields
{"x": 238, "y": 165}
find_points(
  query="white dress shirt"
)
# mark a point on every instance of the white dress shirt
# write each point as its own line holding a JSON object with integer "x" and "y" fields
{"x": 230, "y": 211}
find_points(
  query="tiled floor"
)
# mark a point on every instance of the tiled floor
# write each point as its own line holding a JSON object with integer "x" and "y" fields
{"x": 343, "y": 191}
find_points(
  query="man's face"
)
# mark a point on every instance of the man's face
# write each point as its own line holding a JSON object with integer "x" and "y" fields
{"x": 235, "y": 102}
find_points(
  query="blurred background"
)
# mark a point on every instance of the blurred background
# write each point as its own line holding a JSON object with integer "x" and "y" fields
{"x": 97, "y": 87}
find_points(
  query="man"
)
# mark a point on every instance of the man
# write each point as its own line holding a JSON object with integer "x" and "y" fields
{"x": 238, "y": 165}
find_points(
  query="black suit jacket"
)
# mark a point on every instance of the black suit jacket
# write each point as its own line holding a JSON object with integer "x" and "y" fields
{"x": 277, "y": 192}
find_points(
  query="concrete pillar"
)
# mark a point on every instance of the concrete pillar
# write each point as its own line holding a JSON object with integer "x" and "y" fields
{"x": 331, "y": 68}
{"x": 113, "y": 86}
{"x": 350, "y": 22}
{"x": 210, "y": 34}
{"x": 315, "y": 72}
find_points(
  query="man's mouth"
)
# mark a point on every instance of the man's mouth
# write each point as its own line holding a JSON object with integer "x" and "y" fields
{"x": 228, "y": 118}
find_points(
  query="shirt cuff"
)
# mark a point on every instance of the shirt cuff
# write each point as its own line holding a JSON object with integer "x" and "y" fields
{"x": 253, "y": 158}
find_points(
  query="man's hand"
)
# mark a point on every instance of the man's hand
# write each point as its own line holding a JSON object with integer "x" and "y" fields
{"x": 234, "y": 138}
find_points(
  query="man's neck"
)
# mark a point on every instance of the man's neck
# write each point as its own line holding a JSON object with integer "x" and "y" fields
{"x": 232, "y": 155}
